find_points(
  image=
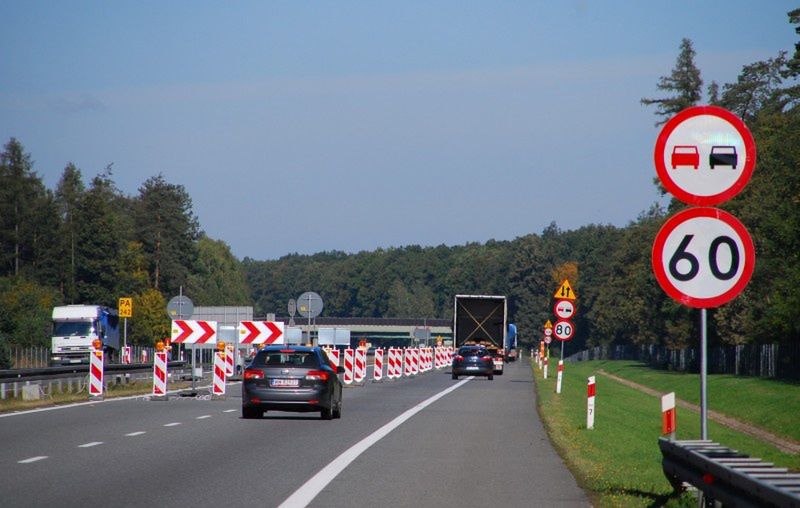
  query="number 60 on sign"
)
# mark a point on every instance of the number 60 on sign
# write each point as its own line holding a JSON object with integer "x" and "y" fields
{"x": 703, "y": 257}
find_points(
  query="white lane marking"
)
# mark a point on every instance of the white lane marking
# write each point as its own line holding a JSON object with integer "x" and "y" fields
{"x": 310, "y": 489}
{"x": 203, "y": 417}
{"x": 230, "y": 410}
{"x": 89, "y": 445}
{"x": 173, "y": 424}
{"x": 132, "y": 434}
{"x": 32, "y": 459}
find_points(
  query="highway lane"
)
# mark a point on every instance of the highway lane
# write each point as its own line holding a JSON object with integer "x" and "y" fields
{"x": 200, "y": 452}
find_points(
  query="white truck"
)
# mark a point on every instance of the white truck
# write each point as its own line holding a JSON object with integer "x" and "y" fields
{"x": 482, "y": 320}
{"x": 75, "y": 327}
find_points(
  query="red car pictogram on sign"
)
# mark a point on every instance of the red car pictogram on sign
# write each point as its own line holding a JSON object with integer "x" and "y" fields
{"x": 685, "y": 155}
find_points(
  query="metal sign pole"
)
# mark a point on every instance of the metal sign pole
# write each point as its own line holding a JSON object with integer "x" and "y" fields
{"x": 703, "y": 374}
{"x": 125, "y": 336}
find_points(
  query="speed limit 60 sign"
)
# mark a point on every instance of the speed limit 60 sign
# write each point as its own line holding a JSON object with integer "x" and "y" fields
{"x": 703, "y": 257}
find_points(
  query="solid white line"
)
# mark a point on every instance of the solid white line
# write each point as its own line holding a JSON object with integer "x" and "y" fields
{"x": 310, "y": 489}
{"x": 89, "y": 445}
{"x": 139, "y": 433}
{"x": 173, "y": 424}
{"x": 32, "y": 459}
{"x": 203, "y": 417}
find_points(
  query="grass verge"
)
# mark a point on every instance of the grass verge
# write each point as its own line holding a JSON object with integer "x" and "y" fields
{"x": 618, "y": 463}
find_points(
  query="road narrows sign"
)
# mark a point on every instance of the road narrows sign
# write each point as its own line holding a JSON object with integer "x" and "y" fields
{"x": 703, "y": 257}
{"x": 704, "y": 155}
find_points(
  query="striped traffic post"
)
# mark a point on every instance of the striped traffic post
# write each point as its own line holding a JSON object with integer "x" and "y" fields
{"x": 560, "y": 375}
{"x": 590, "y": 393}
{"x": 126, "y": 355}
{"x": 229, "y": 359}
{"x": 546, "y": 361}
{"x": 360, "y": 371}
{"x": 377, "y": 368}
{"x": 348, "y": 366}
{"x": 219, "y": 375}
{"x": 160, "y": 376}
{"x": 96, "y": 372}
{"x": 668, "y": 417}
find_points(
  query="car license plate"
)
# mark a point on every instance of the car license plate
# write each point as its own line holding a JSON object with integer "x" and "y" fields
{"x": 473, "y": 367}
{"x": 283, "y": 382}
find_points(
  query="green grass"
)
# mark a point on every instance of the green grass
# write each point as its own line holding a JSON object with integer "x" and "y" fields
{"x": 769, "y": 404}
{"x": 618, "y": 462}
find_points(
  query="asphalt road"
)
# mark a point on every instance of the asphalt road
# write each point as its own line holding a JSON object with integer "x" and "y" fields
{"x": 480, "y": 444}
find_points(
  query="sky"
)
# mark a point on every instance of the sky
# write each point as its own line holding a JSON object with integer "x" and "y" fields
{"x": 302, "y": 127}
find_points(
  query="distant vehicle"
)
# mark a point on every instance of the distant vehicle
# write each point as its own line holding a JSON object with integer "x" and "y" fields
{"x": 511, "y": 343}
{"x": 473, "y": 361}
{"x": 723, "y": 156}
{"x": 481, "y": 320}
{"x": 291, "y": 378}
{"x": 685, "y": 155}
{"x": 75, "y": 327}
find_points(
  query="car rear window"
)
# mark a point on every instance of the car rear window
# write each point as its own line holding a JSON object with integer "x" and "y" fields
{"x": 472, "y": 352}
{"x": 284, "y": 359}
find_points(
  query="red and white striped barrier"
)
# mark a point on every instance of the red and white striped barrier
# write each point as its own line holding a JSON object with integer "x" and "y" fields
{"x": 360, "y": 371}
{"x": 590, "y": 393}
{"x": 333, "y": 355}
{"x": 230, "y": 356}
{"x": 219, "y": 374}
{"x": 160, "y": 374}
{"x": 96, "y": 373}
{"x": 668, "y": 417}
{"x": 143, "y": 356}
{"x": 428, "y": 359}
{"x": 415, "y": 361}
{"x": 348, "y": 366}
{"x": 126, "y": 355}
{"x": 406, "y": 362}
{"x": 377, "y": 368}
{"x": 394, "y": 367}
{"x": 560, "y": 375}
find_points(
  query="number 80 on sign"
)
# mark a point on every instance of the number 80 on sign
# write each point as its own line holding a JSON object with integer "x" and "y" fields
{"x": 703, "y": 257}
{"x": 563, "y": 330}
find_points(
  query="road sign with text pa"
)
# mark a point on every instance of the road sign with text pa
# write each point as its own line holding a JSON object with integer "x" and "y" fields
{"x": 125, "y": 307}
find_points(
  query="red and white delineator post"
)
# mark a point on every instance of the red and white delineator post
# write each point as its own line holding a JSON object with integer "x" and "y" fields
{"x": 348, "y": 366}
{"x": 377, "y": 368}
{"x": 229, "y": 359}
{"x": 393, "y": 365}
{"x": 96, "y": 374}
{"x": 407, "y": 363}
{"x": 218, "y": 388}
{"x": 560, "y": 375}
{"x": 414, "y": 361}
{"x": 126, "y": 355}
{"x": 546, "y": 361}
{"x": 160, "y": 375}
{"x": 590, "y": 393}
{"x": 143, "y": 356}
{"x": 668, "y": 417}
{"x": 360, "y": 371}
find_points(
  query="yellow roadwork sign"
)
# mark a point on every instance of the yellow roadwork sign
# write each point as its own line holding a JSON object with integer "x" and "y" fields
{"x": 565, "y": 292}
{"x": 548, "y": 324}
{"x": 125, "y": 307}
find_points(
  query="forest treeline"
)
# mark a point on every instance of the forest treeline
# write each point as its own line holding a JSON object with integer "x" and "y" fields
{"x": 91, "y": 243}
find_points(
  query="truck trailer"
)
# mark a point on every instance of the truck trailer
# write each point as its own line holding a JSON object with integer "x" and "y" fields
{"x": 481, "y": 320}
{"x": 75, "y": 327}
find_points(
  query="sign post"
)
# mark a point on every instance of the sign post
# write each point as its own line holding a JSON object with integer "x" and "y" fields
{"x": 125, "y": 310}
{"x": 563, "y": 330}
{"x": 704, "y": 257}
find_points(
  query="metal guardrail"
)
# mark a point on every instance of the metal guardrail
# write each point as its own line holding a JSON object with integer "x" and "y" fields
{"x": 45, "y": 372}
{"x": 727, "y": 476}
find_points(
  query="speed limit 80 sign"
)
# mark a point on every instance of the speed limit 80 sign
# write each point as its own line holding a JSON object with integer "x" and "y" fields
{"x": 703, "y": 257}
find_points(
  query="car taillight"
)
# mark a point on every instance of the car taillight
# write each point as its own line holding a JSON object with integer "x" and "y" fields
{"x": 459, "y": 358}
{"x": 487, "y": 357}
{"x": 253, "y": 374}
{"x": 317, "y": 375}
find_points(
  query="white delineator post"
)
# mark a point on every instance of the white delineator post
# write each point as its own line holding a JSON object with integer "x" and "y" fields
{"x": 544, "y": 368}
{"x": 126, "y": 355}
{"x": 160, "y": 375}
{"x": 590, "y": 392}
{"x": 560, "y": 375}
{"x": 96, "y": 374}
{"x": 668, "y": 417}
{"x": 219, "y": 374}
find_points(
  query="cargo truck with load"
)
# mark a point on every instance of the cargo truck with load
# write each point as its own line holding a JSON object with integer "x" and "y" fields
{"x": 481, "y": 320}
{"x": 75, "y": 327}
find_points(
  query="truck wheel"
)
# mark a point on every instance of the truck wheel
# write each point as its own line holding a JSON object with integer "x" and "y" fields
{"x": 251, "y": 413}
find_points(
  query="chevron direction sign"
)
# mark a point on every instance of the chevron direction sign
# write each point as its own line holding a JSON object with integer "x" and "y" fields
{"x": 193, "y": 332}
{"x": 261, "y": 332}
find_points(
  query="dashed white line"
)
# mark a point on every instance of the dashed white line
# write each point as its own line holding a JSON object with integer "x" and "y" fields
{"x": 132, "y": 434}
{"x": 230, "y": 410}
{"x": 203, "y": 417}
{"x": 32, "y": 459}
{"x": 89, "y": 445}
{"x": 173, "y": 424}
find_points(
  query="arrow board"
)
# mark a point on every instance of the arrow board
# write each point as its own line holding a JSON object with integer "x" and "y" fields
{"x": 193, "y": 332}
{"x": 261, "y": 332}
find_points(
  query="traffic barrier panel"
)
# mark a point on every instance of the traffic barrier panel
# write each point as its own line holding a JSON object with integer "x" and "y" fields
{"x": 560, "y": 375}
{"x": 229, "y": 358}
{"x": 415, "y": 361}
{"x": 126, "y": 355}
{"x": 333, "y": 356}
{"x": 377, "y": 368}
{"x": 406, "y": 362}
{"x": 348, "y": 366}
{"x": 396, "y": 362}
{"x": 144, "y": 356}
{"x": 96, "y": 374}
{"x": 590, "y": 393}
{"x": 360, "y": 371}
{"x": 220, "y": 365}
{"x": 160, "y": 375}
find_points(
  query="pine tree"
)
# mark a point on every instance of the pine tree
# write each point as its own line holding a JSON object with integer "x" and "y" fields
{"x": 684, "y": 84}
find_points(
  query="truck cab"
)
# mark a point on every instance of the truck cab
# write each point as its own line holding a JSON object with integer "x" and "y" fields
{"x": 75, "y": 327}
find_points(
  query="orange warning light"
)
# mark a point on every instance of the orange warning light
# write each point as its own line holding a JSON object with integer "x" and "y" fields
{"x": 97, "y": 343}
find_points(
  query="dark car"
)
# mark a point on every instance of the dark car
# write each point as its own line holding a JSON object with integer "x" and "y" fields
{"x": 291, "y": 378}
{"x": 473, "y": 361}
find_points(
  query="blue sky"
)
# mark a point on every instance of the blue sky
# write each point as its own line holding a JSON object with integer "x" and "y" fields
{"x": 306, "y": 127}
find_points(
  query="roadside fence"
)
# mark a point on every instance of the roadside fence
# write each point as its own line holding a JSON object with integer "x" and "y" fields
{"x": 776, "y": 361}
